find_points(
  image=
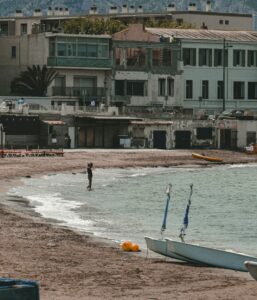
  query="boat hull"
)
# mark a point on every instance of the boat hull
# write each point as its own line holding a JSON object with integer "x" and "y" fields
{"x": 251, "y": 266}
{"x": 160, "y": 247}
{"x": 210, "y": 256}
{"x": 208, "y": 158}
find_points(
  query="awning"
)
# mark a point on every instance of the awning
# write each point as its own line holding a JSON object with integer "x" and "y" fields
{"x": 54, "y": 122}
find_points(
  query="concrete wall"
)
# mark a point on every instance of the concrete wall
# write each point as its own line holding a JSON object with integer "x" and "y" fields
{"x": 45, "y": 102}
{"x": 10, "y": 66}
{"x": 242, "y": 128}
{"x": 164, "y": 100}
{"x": 192, "y": 125}
{"x": 213, "y": 75}
{"x": 71, "y": 73}
{"x": 212, "y": 21}
{"x": 6, "y": 44}
{"x": 34, "y": 49}
{"x": 144, "y": 130}
{"x": 147, "y": 129}
{"x": 28, "y": 21}
{"x": 152, "y": 88}
{"x": 136, "y": 32}
{"x": 2, "y": 136}
{"x": 30, "y": 50}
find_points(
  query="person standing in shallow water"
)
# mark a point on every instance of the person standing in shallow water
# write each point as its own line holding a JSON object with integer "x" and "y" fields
{"x": 89, "y": 176}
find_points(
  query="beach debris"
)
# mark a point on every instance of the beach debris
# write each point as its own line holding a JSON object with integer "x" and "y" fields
{"x": 51, "y": 244}
{"x": 130, "y": 247}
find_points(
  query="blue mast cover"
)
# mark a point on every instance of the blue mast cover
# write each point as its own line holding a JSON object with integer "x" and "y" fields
{"x": 186, "y": 219}
{"x": 166, "y": 209}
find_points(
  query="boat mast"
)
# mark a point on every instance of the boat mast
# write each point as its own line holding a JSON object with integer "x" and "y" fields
{"x": 185, "y": 221}
{"x": 166, "y": 209}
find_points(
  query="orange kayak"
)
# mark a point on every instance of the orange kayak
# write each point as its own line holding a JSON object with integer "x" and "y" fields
{"x": 208, "y": 158}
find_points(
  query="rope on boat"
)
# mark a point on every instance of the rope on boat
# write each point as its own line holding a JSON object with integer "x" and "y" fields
{"x": 186, "y": 220}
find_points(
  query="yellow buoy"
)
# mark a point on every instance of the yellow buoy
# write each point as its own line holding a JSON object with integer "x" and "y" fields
{"x": 126, "y": 246}
{"x": 135, "y": 248}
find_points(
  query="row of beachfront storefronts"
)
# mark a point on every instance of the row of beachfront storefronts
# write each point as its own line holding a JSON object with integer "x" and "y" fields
{"x": 94, "y": 131}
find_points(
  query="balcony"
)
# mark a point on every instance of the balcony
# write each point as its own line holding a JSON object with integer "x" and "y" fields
{"x": 84, "y": 93}
{"x": 78, "y": 62}
{"x": 155, "y": 69}
{"x": 121, "y": 99}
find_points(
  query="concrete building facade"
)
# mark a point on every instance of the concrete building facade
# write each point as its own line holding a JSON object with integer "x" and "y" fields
{"x": 145, "y": 68}
{"x": 216, "y": 70}
{"x": 83, "y": 63}
{"x": 175, "y": 134}
{"x": 236, "y": 134}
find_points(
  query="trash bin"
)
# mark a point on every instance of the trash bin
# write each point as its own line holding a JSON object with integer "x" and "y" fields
{"x": 15, "y": 289}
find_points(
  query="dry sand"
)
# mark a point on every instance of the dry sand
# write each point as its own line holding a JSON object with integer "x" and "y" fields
{"x": 70, "y": 265}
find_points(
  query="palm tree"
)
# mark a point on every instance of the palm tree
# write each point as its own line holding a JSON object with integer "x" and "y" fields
{"x": 34, "y": 81}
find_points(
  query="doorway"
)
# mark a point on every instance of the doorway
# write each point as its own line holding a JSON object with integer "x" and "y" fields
{"x": 183, "y": 139}
{"x": 228, "y": 139}
{"x": 159, "y": 139}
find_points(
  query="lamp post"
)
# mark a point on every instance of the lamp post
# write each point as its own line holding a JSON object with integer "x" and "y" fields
{"x": 224, "y": 74}
{"x": 200, "y": 101}
{"x": 2, "y": 142}
{"x": 225, "y": 47}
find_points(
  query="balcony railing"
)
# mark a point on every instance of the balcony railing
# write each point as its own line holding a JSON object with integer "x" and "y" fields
{"x": 80, "y": 92}
{"x": 72, "y": 62}
{"x": 121, "y": 99}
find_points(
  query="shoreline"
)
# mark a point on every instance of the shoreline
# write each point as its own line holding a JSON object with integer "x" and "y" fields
{"x": 73, "y": 265}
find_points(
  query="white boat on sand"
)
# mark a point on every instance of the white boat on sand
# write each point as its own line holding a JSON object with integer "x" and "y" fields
{"x": 251, "y": 266}
{"x": 160, "y": 246}
{"x": 210, "y": 256}
{"x": 199, "y": 254}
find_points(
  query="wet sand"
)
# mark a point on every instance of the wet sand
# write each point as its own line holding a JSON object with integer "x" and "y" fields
{"x": 70, "y": 265}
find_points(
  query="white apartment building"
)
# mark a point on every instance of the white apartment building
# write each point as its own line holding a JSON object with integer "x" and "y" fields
{"x": 217, "y": 71}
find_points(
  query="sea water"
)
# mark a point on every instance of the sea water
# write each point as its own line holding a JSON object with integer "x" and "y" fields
{"x": 128, "y": 204}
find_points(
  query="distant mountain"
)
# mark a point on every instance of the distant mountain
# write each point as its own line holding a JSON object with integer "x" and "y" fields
{"x": 8, "y": 7}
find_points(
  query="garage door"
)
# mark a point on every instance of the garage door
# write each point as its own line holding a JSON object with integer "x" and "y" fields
{"x": 183, "y": 139}
{"x": 159, "y": 139}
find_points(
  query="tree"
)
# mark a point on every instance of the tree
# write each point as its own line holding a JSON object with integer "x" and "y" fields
{"x": 34, "y": 81}
{"x": 90, "y": 25}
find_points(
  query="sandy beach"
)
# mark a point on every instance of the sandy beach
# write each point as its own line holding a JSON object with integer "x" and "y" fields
{"x": 70, "y": 265}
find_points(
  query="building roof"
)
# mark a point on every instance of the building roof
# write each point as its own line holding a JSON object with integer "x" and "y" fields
{"x": 6, "y": 19}
{"x": 120, "y": 14}
{"x": 81, "y": 35}
{"x": 116, "y": 118}
{"x": 54, "y": 122}
{"x": 154, "y": 122}
{"x": 203, "y": 34}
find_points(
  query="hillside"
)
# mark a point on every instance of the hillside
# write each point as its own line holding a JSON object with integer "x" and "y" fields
{"x": 8, "y": 7}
